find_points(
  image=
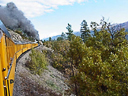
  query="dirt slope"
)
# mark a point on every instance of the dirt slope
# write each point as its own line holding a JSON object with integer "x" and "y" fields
{"x": 50, "y": 83}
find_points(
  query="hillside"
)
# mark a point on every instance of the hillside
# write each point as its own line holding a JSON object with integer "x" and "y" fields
{"x": 50, "y": 83}
{"x": 92, "y": 61}
{"x": 97, "y": 66}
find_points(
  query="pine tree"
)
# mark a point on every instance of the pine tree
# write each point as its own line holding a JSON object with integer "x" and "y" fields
{"x": 101, "y": 62}
{"x": 75, "y": 54}
{"x": 85, "y": 32}
{"x": 59, "y": 39}
{"x": 50, "y": 38}
{"x": 94, "y": 26}
{"x": 70, "y": 32}
{"x": 63, "y": 36}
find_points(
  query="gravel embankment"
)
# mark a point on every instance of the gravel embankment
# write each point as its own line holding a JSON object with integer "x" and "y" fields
{"x": 50, "y": 83}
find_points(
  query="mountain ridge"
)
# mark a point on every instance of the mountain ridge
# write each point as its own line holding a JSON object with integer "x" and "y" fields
{"x": 77, "y": 33}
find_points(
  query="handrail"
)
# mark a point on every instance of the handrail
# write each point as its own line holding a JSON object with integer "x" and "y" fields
{"x": 12, "y": 63}
{"x": 9, "y": 69}
{"x": 9, "y": 49}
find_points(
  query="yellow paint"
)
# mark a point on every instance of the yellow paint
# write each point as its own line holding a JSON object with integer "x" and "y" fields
{"x": 1, "y": 80}
{"x": 10, "y": 51}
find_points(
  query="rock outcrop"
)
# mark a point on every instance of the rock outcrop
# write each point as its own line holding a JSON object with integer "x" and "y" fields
{"x": 15, "y": 36}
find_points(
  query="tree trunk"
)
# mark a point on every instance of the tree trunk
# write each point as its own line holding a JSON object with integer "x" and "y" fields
{"x": 76, "y": 91}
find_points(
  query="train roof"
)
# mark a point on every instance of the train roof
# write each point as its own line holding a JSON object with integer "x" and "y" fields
{"x": 3, "y": 28}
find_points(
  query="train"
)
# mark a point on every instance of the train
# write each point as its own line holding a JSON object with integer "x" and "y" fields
{"x": 9, "y": 53}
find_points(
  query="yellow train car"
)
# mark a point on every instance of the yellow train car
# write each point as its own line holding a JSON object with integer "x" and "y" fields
{"x": 9, "y": 53}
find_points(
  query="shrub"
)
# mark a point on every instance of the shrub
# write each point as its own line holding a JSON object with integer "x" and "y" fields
{"x": 102, "y": 63}
{"x": 37, "y": 62}
{"x": 59, "y": 56}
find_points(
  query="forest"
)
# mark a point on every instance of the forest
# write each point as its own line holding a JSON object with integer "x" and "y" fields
{"x": 96, "y": 64}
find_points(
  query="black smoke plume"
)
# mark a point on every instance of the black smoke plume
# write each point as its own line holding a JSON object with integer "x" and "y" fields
{"x": 14, "y": 18}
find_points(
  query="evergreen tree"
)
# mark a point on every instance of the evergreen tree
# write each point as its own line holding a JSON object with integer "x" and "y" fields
{"x": 50, "y": 39}
{"x": 43, "y": 41}
{"x": 63, "y": 36}
{"x": 101, "y": 63}
{"x": 94, "y": 26}
{"x": 70, "y": 31}
{"x": 75, "y": 53}
{"x": 85, "y": 32}
{"x": 59, "y": 39}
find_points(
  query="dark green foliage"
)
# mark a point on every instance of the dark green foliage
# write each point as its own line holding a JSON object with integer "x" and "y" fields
{"x": 21, "y": 34}
{"x": 59, "y": 39}
{"x": 48, "y": 44}
{"x": 102, "y": 62}
{"x": 18, "y": 31}
{"x": 85, "y": 32}
{"x": 63, "y": 36}
{"x": 37, "y": 62}
{"x": 43, "y": 41}
{"x": 94, "y": 26}
{"x": 98, "y": 67}
{"x": 70, "y": 32}
{"x": 50, "y": 38}
{"x": 59, "y": 55}
{"x": 24, "y": 35}
{"x": 31, "y": 39}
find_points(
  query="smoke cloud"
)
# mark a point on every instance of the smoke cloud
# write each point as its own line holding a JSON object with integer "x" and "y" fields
{"x": 14, "y": 18}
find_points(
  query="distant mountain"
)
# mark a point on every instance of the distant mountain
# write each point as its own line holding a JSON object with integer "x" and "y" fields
{"x": 55, "y": 37}
{"x": 77, "y": 33}
{"x": 123, "y": 25}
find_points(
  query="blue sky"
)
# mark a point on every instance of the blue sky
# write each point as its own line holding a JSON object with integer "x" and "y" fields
{"x": 51, "y": 17}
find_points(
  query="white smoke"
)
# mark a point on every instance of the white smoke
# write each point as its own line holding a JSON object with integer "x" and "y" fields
{"x": 14, "y": 18}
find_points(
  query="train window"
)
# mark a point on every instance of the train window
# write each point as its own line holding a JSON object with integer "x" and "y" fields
{"x": 6, "y": 41}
